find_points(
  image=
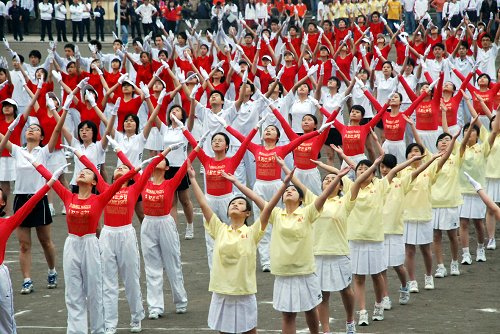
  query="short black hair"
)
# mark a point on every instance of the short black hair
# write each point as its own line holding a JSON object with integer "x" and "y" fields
{"x": 441, "y": 136}
{"x": 438, "y": 45}
{"x": 411, "y": 146}
{"x": 70, "y": 46}
{"x": 136, "y": 120}
{"x": 359, "y": 108}
{"x": 184, "y": 114}
{"x": 226, "y": 138}
{"x": 390, "y": 160}
{"x": 215, "y": 91}
{"x": 35, "y": 53}
{"x": 91, "y": 125}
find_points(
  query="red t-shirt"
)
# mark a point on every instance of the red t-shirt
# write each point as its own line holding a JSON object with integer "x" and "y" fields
{"x": 15, "y": 137}
{"x": 128, "y": 107}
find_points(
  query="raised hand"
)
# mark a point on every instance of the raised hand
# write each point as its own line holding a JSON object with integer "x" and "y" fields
{"x": 15, "y": 122}
{"x": 114, "y": 143}
{"x": 58, "y": 172}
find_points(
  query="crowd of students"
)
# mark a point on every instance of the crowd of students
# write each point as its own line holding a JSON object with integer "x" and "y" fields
{"x": 414, "y": 130}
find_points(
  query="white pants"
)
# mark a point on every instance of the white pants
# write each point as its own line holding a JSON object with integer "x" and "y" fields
{"x": 219, "y": 205}
{"x": 311, "y": 179}
{"x": 120, "y": 253}
{"x": 83, "y": 281}
{"x": 161, "y": 251}
{"x": 396, "y": 148}
{"x": 266, "y": 190}
{"x": 7, "y": 321}
{"x": 245, "y": 172}
{"x": 72, "y": 121}
{"x": 429, "y": 138}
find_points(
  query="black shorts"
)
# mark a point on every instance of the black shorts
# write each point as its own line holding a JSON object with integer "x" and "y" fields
{"x": 171, "y": 171}
{"x": 74, "y": 189}
{"x": 39, "y": 216}
{"x": 365, "y": 120}
{"x": 334, "y": 137}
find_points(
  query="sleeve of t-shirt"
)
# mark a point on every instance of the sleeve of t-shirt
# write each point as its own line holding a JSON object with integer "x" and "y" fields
{"x": 213, "y": 226}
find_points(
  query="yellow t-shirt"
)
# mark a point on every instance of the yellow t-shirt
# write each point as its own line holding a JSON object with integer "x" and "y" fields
{"x": 445, "y": 192}
{"x": 342, "y": 9}
{"x": 365, "y": 222}
{"x": 235, "y": 251}
{"x": 393, "y": 10}
{"x": 330, "y": 229}
{"x": 417, "y": 206}
{"x": 377, "y": 6}
{"x": 392, "y": 212}
{"x": 292, "y": 241}
{"x": 361, "y": 9}
{"x": 351, "y": 9}
{"x": 474, "y": 161}
{"x": 334, "y": 12}
{"x": 493, "y": 160}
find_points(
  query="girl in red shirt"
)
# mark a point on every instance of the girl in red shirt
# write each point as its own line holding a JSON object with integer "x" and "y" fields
{"x": 144, "y": 68}
{"x": 6, "y": 87}
{"x": 160, "y": 240}
{"x": 82, "y": 254}
{"x": 7, "y": 226}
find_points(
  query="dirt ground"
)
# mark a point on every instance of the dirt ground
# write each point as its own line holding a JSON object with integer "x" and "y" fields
{"x": 469, "y": 303}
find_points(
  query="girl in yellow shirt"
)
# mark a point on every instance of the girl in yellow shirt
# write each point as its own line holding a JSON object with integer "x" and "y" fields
{"x": 233, "y": 308}
{"x": 296, "y": 286}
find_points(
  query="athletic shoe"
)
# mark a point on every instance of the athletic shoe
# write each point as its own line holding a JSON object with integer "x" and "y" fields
{"x": 181, "y": 310}
{"x": 413, "y": 286}
{"x": 63, "y": 211}
{"x": 466, "y": 258}
{"x": 110, "y": 330}
{"x": 189, "y": 232}
{"x": 27, "y": 288}
{"x": 429, "y": 283}
{"x": 378, "y": 312}
{"x": 363, "y": 318}
{"x": 441, "y": 272}
{"x": 52, "y": 281}
{"x": 492, "y": 244}
{"x": 266, "y": 268}
{"x": 386, "y": 303}
{"x": 350, "y": 328}
{"x": 153, "y": 315}
{"x": 404, "y": 295}
{"x": 52, "y": 210}
{"x": 454, "y": 271}
{"x": 135, "y": 327}
{"x": 480, "y": 255}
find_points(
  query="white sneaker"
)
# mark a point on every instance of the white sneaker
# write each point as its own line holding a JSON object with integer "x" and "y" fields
{"x": 480, "y": 255}
{"x": 404, "y": 295}
{"x": 110, "y": 330}
{"x": 189, "y": 232}
{"x": 350, "y": 327}
{"x": 454, "y": 271}
{"x": 441, "y": 272}
{"x": 63, "y": 211}
{"x": 266, "y": 268}
{"x": 135, "y": 327}
{"x": 386, "y": 303}
{"x": 429, "y": 283}
{"x": 363, "y": 318}
{"x": 52, "y": 210}
{"x": 466, "y": 258}
{"x": 181, "y": 310}
{"x": 378, "y": 312}
{"x": 492, "y": 244}
{"x": 153, "y": 315}
{"x": 413, "y": 286}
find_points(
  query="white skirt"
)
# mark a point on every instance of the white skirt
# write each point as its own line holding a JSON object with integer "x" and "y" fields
{"x": 429, "y": 138}
{"x": 367, "y": 257}
{"x": 445, "y": 219}
{"x": 493, "y": 189}
{"x": 7, "y": 169}
{"x": 334, "y": 272}
{"x": 473, "y": 207}
{"x": 154, "y": 141}
{"x": 356, "y": 159}
{"x": 394, "y": 250}
{"x": 418, "y": 232}
{"x": 232, "y": 314}
{"x": 56, "y": 160}
{"x": 396, "y": 148}
{"x": 296, "y": 293}
{"x": 451, "y": 129}
{"x": 310, "y": 178}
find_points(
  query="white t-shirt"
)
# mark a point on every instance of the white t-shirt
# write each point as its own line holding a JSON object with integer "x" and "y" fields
{"x": 487, "y": 59}
{"x": 282, "y": 105}
{"x": 132, "y": 147}
{"x": 297, "y": 112}
{"x": 412, "y": 82}
{"x": 46, "y": 10}
{"x": 146, "y": 12}
{"x": 94, "y": 152}
{"x": 173, "y": 136}
{"x": 28, "y": 180}
{"x": 385, "y": 87}
{"x": 329, "y": 101}
{"x": 76, "y": 12}
{"x": 359, "y": 98}
{"x": 210, "y": 123}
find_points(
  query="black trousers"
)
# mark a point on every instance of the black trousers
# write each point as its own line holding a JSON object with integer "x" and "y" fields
{"x": 17, "y": 29}
{"x": 26, "y": 21}
{"x": 99, "y": 28}
{"x": 86, "y": 28}
{"x": 2, "y": 24}
{"x": 46, "y": 26}
{"x": 135, "y": 28}
{"x": 77, "y": 26}
{"x": 147, "y": 27}
{"x": 61, "y": 30}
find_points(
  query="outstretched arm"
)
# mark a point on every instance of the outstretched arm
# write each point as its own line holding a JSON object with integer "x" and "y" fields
{"x": 354, "y": 189}
{"x": 199, "y": 195}
{"x": 265, "y": 214}
{"x": 259, "y": 201}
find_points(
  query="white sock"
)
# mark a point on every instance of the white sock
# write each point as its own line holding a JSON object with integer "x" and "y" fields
{"x": 27, "y": 279}
{"x": 480, "y": 246}
{"x": 465, "y": 250}
{"x": 441, "y": 265}
{"x": 52, "y": 271}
